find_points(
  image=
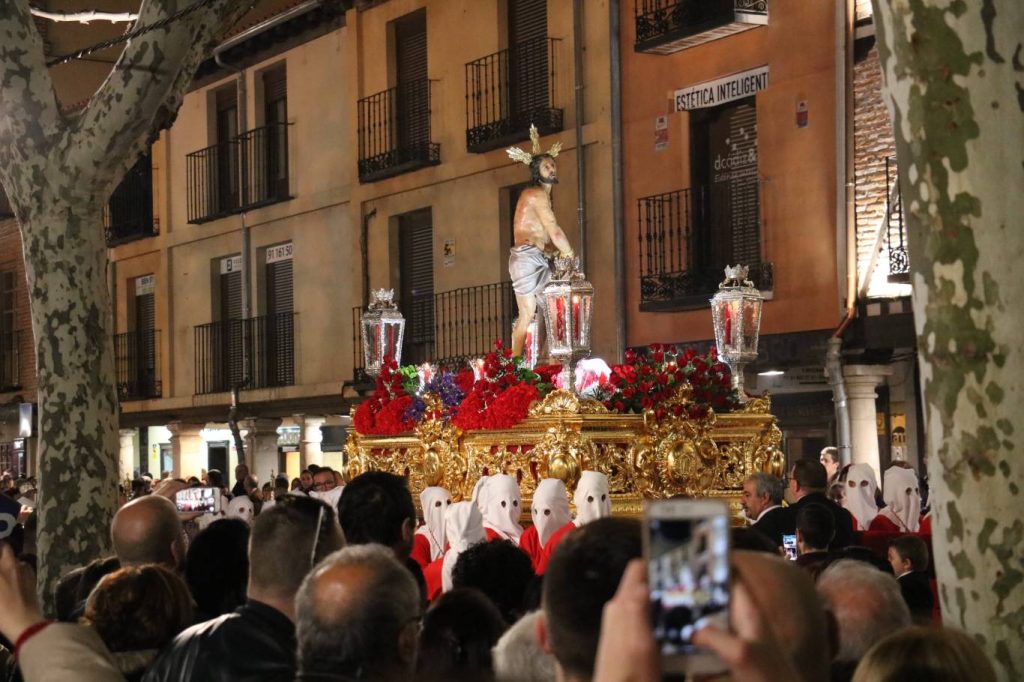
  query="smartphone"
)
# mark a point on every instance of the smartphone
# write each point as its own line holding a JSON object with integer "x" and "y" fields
{"x": 205, "y": 500}
{"x": 789, "y": 546}
{"x": 686, "y": 546}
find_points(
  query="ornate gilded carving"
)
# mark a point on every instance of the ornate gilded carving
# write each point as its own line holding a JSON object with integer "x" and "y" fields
{"x": 563, "y": 402}
{"x": 643, "y": 457}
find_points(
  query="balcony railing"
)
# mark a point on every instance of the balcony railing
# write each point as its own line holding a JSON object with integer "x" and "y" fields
{"x": 240, "y": 174}
{"x": 137, "y": 362}
{"x": 129, "y": 213}
{"x": 451, "y": 327}
{"x": 10, "y": 360}
{"x": 899, "y": 259}
{"x": 679, "y": 269}
{"x": 667, "y": 26}
{"x": 394, "y": 132}
{"x": 507, "y": 91}
{"x": 258, "y": 352}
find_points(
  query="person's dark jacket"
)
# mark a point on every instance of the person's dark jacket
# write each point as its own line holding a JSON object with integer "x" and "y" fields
{"x": 238, "y": 490}
{"x": 254, "y": 642}
{"x": 776, "y": 523}
{"x": 918, "y": 595}
{"x": 844, "y": 522}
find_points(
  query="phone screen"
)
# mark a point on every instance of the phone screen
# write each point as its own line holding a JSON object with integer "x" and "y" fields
{"x": 205, "y": 500}
{"x": 789, "y": 545}
{"x": 688, "y": 570}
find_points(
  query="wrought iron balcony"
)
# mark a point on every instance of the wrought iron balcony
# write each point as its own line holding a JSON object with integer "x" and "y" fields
{"x": 129, "y": 213}
{"x": 449, "y": 328}
{"x": 394, "y": 132}
{"x": 240, "y": 174}
{"x": 667, "y": 26}
{"x": 507, "y": 91}
{"x": 137, "y": 362}
{"x": 10, "y": 361}
{"x": 679, "y": 269}
{"x": 899, "y": 259}
{"x": 258, "y": 352}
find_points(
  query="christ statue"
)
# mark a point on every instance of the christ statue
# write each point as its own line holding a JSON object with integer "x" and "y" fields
{"x": 537, "y": 236}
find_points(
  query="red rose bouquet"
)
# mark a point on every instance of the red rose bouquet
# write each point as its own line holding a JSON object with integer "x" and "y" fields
{"x": 384, "y": 414}
{"x": 651, "y": 376}
{"x": 502, "y": 396}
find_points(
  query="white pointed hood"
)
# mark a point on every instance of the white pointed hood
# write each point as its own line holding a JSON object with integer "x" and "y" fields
{"x": 902, "y": 498}
{"x": 435, "y": 502}
{"x": 592, "y": 498}
{"x": 502, "y": 506}
{"x": 859, "y": 494}
{"x": 464, "y": 527}
{"x": 477, "y": 489}
{"x": 550, "y": 508}
{"x": 331, "y": 496}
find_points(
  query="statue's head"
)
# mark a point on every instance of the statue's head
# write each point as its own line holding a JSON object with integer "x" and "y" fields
{"x": 543, "y": 170}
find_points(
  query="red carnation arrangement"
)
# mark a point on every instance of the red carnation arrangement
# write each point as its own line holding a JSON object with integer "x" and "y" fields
{"x": 650, "y": 377}
{"x": 501, "y": 398}
{"x": 384, "y": 414}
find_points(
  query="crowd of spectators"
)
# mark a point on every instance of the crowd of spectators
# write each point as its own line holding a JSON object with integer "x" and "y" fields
{"x": 327, "y": 581}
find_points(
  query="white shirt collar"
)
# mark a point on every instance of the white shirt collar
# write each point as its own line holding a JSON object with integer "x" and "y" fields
{"x": 761, "y": 515}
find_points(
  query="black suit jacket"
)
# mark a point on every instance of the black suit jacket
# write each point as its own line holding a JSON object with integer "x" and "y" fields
{"x": 844, "y": 522}
{"x": 776, "y": 523}
{"x": 918, "y": 595}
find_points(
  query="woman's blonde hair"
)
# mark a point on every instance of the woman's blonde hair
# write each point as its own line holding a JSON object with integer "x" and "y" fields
{"x": 922, "y": 653}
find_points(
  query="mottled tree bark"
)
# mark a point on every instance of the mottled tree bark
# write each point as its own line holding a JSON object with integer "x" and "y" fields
{"x": 954, "y": 83}
{"x": 58, "y": 173}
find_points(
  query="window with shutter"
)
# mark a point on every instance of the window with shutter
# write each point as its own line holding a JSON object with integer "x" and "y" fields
{"x": 278, "y": 332}
{"x": 411, "y": 106}
{"x": 8, "y": 334}
{"x": 141, "y": 360}
{"x": 275, "y": 119}
{"x": 416, "y": 246}
{"x": 230, "y": 331}
{"x": 723, "y": 143}
{"x": 226, "y": 163}
{"x": 528, "y": 56}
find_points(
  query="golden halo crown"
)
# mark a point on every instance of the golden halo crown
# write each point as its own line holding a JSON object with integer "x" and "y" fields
{"x": 525, "y": 157}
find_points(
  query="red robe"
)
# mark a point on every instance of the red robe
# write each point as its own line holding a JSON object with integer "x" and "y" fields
{"x": 421, "y": 550}
{"x": 540, "y": 556}
{"x": 432, "y": 576}
{"x": 884, "y": 523}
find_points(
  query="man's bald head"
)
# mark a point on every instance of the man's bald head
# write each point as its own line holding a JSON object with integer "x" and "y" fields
{"x": 786, "y": 596}
{"x": 355, "y": 612}
{"x": 148, "y": 531}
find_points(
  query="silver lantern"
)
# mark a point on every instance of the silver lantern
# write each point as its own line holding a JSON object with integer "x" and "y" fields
{"x": 736, "y": 313}
{"x": 383, "y": 328}
{"x": 567, "y": 302}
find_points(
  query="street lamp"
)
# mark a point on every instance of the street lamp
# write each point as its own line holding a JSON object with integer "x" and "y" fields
{"x": 736, "y": 313}
{"x": 383, "y": 327}
{"x": 568, "y": 308}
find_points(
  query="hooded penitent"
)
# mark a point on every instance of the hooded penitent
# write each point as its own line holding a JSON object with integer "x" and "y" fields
{"x": 859, "y": 499}
{"x": 502, "y": 506}
{"x": 331, "y": 496}
{"x": 464, "y": 527}
{"x": 435, "y": 502}
{"x": 902, "y": 498}
{"x": 477, "y": 490}
{"x": 550, "y": 508}
{"x": 241, "y": 507}
{"x": 592, "y": 499}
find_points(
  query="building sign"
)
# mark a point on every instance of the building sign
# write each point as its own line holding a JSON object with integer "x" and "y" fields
{"x": 145, "y": 285}
{"x": 722, "y": 90}
{"x": 230, "y": 264}
{"x": 449, "y": 253}
{"x": 661, "y": 133}
{"x": 279, "y": 253}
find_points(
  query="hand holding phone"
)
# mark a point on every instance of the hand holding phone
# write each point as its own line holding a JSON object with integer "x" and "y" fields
{"x": 686, "y": 546}
{"x": 203, "y": 500}
{"x": 789, "y": 546}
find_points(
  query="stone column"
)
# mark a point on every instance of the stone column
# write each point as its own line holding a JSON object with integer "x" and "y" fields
{"x": 187, "y": 449}
{"x": 126, "y": 467}
{"x": 261, "y": 447}
{"x": 310, "y": 439}
{"x": 861, "y": 381}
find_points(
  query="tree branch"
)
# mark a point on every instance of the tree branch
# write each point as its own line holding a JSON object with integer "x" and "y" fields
{"x": 146, "y": 86}
{"x": 30, "y": 118}
{"x": 84, "y": 16}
